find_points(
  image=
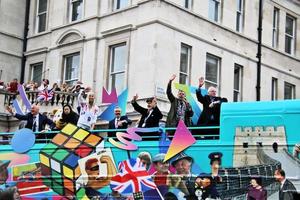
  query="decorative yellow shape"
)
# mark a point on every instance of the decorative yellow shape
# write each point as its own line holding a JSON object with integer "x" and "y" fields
{"x": 85, "y": 198}
{"x": 81, "y": 134}
{"x": 44, "y": 160}
{"x": 67, "y": 172}
{"x": 69, "y": 129}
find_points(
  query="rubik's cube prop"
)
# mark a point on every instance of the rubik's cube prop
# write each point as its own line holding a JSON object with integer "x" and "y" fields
{"x": 59, "y": 159}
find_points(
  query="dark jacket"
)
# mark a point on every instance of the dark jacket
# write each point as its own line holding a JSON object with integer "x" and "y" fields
{"x": 112, "y": 125}
{"x": 209, "y": 116}
{"x": 287, "y": 191}
{"x": 43, "y": 120}
{"x": 172, "y": 120}
{"x": 153, "y": 119}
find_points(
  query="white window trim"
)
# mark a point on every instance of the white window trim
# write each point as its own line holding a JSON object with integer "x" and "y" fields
{"x": 291, "y": 36}
{"x": 37, "y": 17}
{"x": 190, "y": 4}
{"x": 241, "y": 12}
{"x": 187, "y": 74}
{"x": 219, "y": 10}
{"x": 218, "y": 73}
{"x": 110, "y": 73}
{"x": 240, "y": 91}
{"x": 32, "y": 69}
{"x": 275, "y": 27}
{"x": 71, "y": 10}
{"x": 114, "y": 5}
{"x": 65, "y": 66}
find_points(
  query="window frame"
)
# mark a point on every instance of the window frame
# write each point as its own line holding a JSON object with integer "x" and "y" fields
{"x": 32, "y": 66}
{"x": 293, "y": 87}
{"x": 116, "y": 2}
{"x": 189, "y": 61}
{"x": 218, "y": 72}
{"x": 275, "y": 27}
{"x": 37, "y": 17}
{"x": 219, "y": 6}
{"x": 111, "y": 58}
{"x": 293, "y": 37}
{"x": 65, "y": 67}
{"x": 70, "y": 15}
{"x": 240, "y": 14}
{"x": 240, "y": 91}
{"x": 274, "y": 89}
{"x": 188, "y": 4}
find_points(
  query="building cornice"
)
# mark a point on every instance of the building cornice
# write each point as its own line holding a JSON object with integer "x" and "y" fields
{"x": 11, "y": 54}
{"x": 11, "y": 35}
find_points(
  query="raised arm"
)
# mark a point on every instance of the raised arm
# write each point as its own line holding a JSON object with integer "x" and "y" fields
{"x": 200, "y": 98}
{"x": 169, "y": 89}
{"x": 137, "y": 107}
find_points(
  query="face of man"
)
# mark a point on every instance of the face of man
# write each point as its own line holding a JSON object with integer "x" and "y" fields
{"x": 162, "y": 167}
{"x": 151, "y": 104}
{"x": 34, "y": 110}
{"x": 215, "y": 165}
{"x": 181, "y": 94}
{"x": 183, "y": 167}
{"x": 117, "y": 113}
{"x": 212, "y": 92}
{"x": 278, "y": 176}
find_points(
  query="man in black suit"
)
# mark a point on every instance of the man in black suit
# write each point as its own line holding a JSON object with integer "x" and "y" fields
{"x": 210, "y": 115}
{"x": 35, "y": 121}
{"x": 287, "y": 189}
{"x": 119, "y": 122}
{"x": 150, "y": 115}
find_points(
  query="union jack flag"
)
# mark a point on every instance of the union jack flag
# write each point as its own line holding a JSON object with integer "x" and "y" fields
{"x": 45, "y": 95}
{"x": 132, "y": 178}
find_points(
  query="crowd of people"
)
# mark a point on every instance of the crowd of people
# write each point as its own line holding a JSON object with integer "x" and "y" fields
{"x": 86, "y": 112}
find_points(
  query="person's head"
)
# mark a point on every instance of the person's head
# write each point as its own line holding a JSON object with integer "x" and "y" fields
{"x": 212, "y": 91}
{"x": 279, "y": 175}
{"x": 15, "y": 80}
{"x": 117, "y": 112}
{"x": 35, "y": 109}
{"x": 92, "y": 170}
{"x": 45, "y": 82}
{"x": 181, "y": 94}
{"x": 145, "y": 158}
{"x": 151, "y": 103}
{"x": 67, "y": 109}
{"x": 55, "y": 85}
{"x": 256, "y": 181}
{"x": 159, "y": 164}
{"x": 91, "y": 97}
{"x": 183, "y": 164}
{"x": 215, "y": 160}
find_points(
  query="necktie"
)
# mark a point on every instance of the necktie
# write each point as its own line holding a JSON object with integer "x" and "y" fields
{"x": 34, "y": 124}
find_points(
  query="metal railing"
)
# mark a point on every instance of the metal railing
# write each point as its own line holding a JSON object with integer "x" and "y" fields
{"x": 59, "y": 97}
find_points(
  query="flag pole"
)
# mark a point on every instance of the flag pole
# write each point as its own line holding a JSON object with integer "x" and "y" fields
{"x": 162, "y": 198}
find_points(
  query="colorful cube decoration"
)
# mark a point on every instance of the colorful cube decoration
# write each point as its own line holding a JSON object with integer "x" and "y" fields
{"x": 59, "y": 159}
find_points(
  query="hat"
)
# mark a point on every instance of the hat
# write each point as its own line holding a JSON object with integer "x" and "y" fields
{"x": 149, "y": 100}
{"x": 215, "y": 156}
{"x": 181, "y": 156}
{"x": 159, "y": 157}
